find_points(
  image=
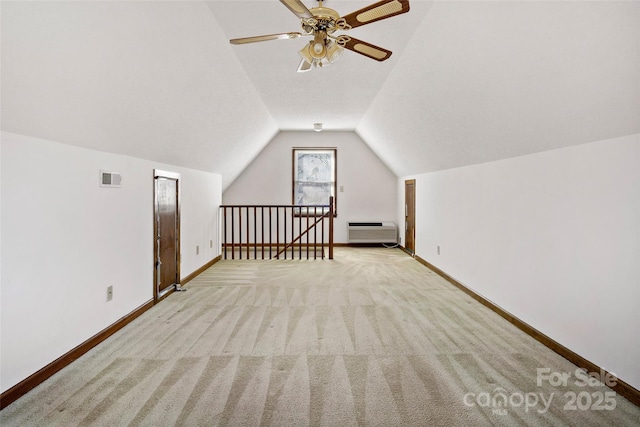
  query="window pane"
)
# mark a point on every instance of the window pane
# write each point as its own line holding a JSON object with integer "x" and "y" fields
{"x": 314, "y": 167}
{"x": 310, "y": 193}
{"x": 314, "y": 176}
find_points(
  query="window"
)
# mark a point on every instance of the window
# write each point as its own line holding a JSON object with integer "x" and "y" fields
{"x": 314, "y": 178}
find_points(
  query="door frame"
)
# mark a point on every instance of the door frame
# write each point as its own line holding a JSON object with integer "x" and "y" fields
{"x": 412, "y": 209}
{"x": 157, "y": 173}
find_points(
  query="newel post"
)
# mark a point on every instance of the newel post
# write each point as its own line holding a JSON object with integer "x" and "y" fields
{"x": 331, "y": 227}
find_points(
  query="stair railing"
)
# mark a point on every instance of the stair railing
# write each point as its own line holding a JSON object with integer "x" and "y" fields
{"x": 277, "y": 231}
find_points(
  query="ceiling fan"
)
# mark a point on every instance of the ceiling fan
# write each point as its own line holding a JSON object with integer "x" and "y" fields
{"x": 321, "y": 22}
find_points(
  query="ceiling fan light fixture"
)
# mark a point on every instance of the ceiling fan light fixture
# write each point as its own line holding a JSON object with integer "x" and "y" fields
{"x": 306, "y": 55}
{"x": 334, "y": 51}
{"x": 304, "y": 66}
{"x": 317, "y": 54}
{"x": 317, "y": 48}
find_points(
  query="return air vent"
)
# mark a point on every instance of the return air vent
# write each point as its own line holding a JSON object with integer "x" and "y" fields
{"x": 110, "y": 179}
{"x": 372, "y": 232}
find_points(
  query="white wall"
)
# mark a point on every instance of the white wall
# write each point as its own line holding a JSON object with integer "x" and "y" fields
{"x": 553, "y": 238}
{"x": 369, "y": 187}
{"x": 199, "y": 209}
{"x": 65, "y": 239}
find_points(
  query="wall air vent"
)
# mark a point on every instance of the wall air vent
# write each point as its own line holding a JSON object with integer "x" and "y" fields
{"x": 110, "y": 179}
{"x": 372, "y": 232}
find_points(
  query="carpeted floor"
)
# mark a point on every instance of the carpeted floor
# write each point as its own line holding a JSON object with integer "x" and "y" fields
{"x": 371, "y": 338}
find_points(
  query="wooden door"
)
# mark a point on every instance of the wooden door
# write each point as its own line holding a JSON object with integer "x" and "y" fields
{"x": 167, "y": 232}
{"x": 410, "y": 215}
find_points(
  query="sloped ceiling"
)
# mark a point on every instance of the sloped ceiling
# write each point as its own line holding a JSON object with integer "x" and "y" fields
{"x": 468, "y": 82}
{"x": 154, "y": 80}
{"x": 483, "y": 81}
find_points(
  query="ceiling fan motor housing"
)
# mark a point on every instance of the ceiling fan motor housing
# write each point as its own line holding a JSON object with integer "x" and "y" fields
{"x": 324, "y": 19}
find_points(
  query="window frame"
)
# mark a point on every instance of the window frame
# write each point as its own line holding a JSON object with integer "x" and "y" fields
{"x": 297, "y": 154}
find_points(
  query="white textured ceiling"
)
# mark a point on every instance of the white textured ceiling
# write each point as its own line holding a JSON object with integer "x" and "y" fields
{"x": 468, "y": 82}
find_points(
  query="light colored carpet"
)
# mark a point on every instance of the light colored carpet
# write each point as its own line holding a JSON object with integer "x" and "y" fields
{"x": 371, "y": 338}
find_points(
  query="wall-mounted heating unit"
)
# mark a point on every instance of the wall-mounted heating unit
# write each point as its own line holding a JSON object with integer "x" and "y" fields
{"x": 372, "y": 232}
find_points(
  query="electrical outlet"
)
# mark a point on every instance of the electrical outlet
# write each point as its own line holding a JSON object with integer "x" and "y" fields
{"x": 109, "y": 293}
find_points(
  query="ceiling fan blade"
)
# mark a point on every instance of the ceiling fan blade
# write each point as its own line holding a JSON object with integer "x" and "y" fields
{"x": 375, "y": 12}
{"x": 364, "y": 48}
{"x": 298, "y": 8}
{"x": 264, "y": 38}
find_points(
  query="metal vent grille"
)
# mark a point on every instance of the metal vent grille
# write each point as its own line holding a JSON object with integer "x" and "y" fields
{"x": 110, "y": 179}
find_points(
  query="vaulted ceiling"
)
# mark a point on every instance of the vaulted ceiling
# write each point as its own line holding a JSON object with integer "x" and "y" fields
{"x": 468, "y": 82}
